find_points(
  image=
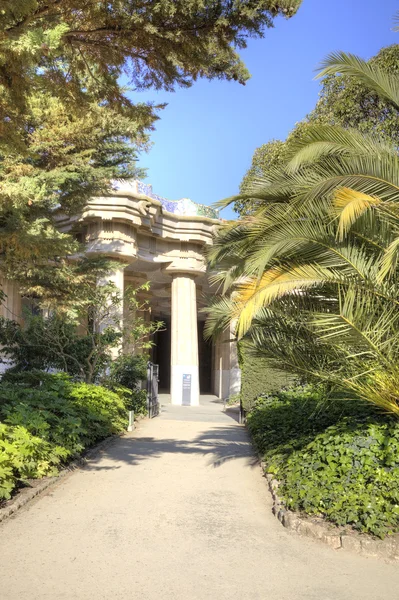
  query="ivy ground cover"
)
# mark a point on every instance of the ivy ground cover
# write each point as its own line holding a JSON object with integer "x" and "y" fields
{"x": 334, "y": 458}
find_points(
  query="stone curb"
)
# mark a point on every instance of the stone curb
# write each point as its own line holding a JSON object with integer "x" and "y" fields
{"x": 319, "y": 529}
{"x": 25, "y": 495}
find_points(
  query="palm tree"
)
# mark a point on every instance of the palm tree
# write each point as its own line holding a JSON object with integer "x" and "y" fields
{"x": 312, "y": 276}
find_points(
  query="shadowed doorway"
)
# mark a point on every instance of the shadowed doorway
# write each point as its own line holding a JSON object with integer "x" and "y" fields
{"x": 161, "y": 356}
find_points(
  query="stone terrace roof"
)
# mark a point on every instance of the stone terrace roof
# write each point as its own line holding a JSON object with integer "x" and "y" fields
{"x": 184, "y": 206}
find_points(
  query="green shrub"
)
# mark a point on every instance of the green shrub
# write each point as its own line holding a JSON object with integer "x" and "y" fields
{"x": 125, "y": 377}
{"x": 139, "y": 402}
{"x": 338, "y": 459}
{"x": 51, "y": 422}
{"x": 128, "y": 370}
{"x": 102, "y": 411}
{"x": 34, "y": 378}
{"x": 258, "y": 377}
{"x": 24, "y": 456}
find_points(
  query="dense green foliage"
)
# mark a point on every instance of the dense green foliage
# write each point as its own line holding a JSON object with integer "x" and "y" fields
{"x": 45, "y": 420}
{"x": 79, "y": 50}
{"x": 350, "y": 102}
{"x": 338, "y": 459}
{"x": 265, "y": 159}
{"x": 62, "y": 159}
{"x": 258, "y": 377}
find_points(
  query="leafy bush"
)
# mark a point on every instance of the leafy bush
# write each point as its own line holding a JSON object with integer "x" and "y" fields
{"x": 258, "y": 376}
{"x": 34, "y": 378}
{"x": 138, "y": 402}
{"x": 102, "y": 411}
{"x": 128, "y": 370}
{"x": 338, "y": 459}
{"x": 125, "y": 377}
{"x": 24, "y": 456}
{"x": 82, "y": 341}
{"x": 49, "y": 422}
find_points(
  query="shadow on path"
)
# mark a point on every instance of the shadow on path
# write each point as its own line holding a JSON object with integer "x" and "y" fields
{"x": 220, "y": 443}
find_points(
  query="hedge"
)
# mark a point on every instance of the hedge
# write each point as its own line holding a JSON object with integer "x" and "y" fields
{"x": 338, "y": 459}
{"x": 258, "y": 377}
{"x": 47, "y": 420}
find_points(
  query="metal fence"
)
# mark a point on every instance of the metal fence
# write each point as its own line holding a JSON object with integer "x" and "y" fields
{"x": 152, "y": 390}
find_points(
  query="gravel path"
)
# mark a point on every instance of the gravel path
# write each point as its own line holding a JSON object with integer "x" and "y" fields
{"x": 176, "y": 510}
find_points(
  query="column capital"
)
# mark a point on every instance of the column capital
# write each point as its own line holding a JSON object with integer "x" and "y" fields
{"x": 115, "y": 319}
{"x": 121, "y": 262}
{"x": 179, "y": 268}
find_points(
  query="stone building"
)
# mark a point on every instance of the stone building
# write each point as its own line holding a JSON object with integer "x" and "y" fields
{"x": 162, "y": 242}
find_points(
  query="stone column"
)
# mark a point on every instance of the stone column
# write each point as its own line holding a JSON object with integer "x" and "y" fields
{"x": 184, "y": 351}
{"x": 235, "y": 370}
{"x": 115, "y": 319}
{"x": 11, "y": 307}
{"x": 227, "y": 372}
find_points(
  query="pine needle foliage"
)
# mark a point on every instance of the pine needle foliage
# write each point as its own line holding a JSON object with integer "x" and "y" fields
{"x": 79, "y": 50}
{"x": 69, "y": 120}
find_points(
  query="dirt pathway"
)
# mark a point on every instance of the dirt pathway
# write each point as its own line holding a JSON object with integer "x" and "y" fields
{"x": 177, "y": 510}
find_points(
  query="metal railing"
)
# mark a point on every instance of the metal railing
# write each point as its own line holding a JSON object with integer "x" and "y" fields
{"x": 152, "y": 389}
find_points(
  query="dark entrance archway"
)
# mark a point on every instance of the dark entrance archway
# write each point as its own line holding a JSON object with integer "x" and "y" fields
{"x": 205, "y": 356}
{"x": 161, "y": 356}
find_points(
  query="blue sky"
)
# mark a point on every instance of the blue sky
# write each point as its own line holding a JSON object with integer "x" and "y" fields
{"x": 207, "y": 134}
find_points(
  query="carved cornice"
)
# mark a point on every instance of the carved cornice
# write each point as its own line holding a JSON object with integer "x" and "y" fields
{"x": 133, "y": 227}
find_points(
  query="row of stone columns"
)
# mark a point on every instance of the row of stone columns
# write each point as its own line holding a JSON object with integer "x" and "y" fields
{"x": 184, "y": 336}
{"x": 184, "y": 345}
{"x": 184, "y": 339}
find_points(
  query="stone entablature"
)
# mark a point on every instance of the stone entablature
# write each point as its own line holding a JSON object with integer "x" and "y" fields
{"x": 131, "y": 226}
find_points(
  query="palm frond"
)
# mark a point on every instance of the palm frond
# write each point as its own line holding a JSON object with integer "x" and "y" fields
{"x": 389, "y": 260}
{"x": 219, "y": 311}
{"x": 350, "y": 205}
{"x": 375, "y": 79}
{"x": 380, "y": 389}
{"x": 291, "y": 345}
{"x": 362, "y": 324}
{"x": 312, "y": 276}
{"x": 276, "y": 283}
{"x": 321, "y": 141}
